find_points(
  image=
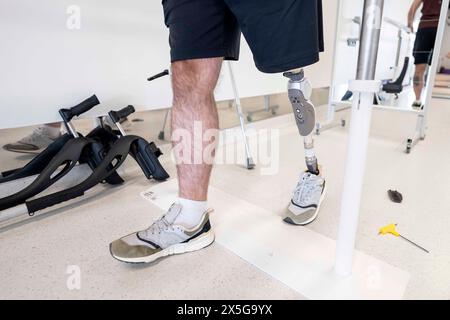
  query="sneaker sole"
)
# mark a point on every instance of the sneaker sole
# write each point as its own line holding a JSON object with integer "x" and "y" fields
{"x": 23, "y": 151}
{"x": 195, "y": 244}
{"x": 293, "y": 210}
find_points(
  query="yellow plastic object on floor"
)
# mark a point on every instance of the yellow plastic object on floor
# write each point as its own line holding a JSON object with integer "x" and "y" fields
{"x": 390, "y": 228}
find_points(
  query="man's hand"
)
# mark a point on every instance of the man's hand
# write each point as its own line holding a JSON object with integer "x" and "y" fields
{"x": 448, "y": 55}
{"x": 410, "y": 24}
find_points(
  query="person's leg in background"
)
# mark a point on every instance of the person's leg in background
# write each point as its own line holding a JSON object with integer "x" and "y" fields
{"x": 37, "y": 141}
{"x": 419, "y": 82}
{"x": 423, "y": 49}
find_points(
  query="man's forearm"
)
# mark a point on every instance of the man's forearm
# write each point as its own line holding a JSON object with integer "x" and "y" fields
{"x": 412, "y": 12}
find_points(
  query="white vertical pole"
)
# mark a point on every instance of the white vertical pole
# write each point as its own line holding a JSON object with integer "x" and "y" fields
{"x": 364, "y": 88}
{"x": 353, "y": 180}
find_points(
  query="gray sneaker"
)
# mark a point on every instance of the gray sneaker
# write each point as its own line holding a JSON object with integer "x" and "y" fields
{"x": 34, "y": 143}
{"x": 306, "y": 199}
{"x": 163, "y": 238}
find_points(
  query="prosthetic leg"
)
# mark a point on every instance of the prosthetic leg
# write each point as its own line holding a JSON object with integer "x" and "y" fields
{"x": 310, "y": 190}
{"x": 299, "y": 90}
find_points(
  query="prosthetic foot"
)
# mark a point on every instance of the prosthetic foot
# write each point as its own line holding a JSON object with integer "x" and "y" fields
{"x": 310, "y": 191}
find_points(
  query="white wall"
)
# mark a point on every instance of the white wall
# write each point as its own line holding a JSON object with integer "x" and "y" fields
{"x": 446, "y": 45}
{"x": 45, "y": 65}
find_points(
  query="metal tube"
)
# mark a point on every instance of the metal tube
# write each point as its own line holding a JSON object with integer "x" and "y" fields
{"x": 120, "y": 128}
{"x": 358, "y": 136}
{"x": 165, "y": 120}
{"x": 310, "y": 156}
{"x": 237, "y": 102}
{"x": 397, "y": 55}
{"x": 370, "y": 38}
{"x": 71, "y": 129}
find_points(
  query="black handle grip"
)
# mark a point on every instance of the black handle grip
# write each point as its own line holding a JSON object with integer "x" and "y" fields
{"x": 116, "y": 116}
{"x": 159, "y": 75}
{"x": 86, "y": 105}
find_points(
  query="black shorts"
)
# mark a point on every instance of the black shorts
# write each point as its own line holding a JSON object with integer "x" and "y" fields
{"x": 424, "y": 45}
{"x": 282, "y": 34}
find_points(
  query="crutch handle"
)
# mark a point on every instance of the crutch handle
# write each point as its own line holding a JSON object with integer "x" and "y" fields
{"x": 159, "y": 75}
{"x": 86, "y": 105}
{"x": 116, "y": 116}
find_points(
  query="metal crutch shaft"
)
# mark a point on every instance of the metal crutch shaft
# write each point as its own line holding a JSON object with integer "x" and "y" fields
{"x": 237, "y": 102}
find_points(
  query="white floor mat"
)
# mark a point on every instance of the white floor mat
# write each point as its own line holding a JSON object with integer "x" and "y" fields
{"x": 300, "y": 258}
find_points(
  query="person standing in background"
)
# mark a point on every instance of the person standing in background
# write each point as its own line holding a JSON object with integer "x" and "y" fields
{"x": 425, "y": 41}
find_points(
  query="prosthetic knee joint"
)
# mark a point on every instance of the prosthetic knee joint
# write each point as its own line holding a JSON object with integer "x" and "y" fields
{"x": 299, "y": 91}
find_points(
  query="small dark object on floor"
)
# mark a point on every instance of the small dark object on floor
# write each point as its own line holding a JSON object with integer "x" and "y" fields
{"x": 395, "y": 196}
{"x": 137, "y": 120}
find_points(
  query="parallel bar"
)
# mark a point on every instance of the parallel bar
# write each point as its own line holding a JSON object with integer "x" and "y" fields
{"x": 370, "y": 38}
{"x": 358, "y": 136}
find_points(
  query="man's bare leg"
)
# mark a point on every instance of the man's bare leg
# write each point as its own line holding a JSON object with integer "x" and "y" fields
{"x": 193, "y": 87}
{"x": 185, "y": 227}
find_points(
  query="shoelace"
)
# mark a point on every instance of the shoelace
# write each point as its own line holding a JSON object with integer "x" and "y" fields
{"x": 305, "y": 189}
{"x": 159, "y": 225}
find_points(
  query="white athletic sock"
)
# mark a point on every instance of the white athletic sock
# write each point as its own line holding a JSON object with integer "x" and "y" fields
{"x": 191, "y": 213}
{"x": 52, "y": 132}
